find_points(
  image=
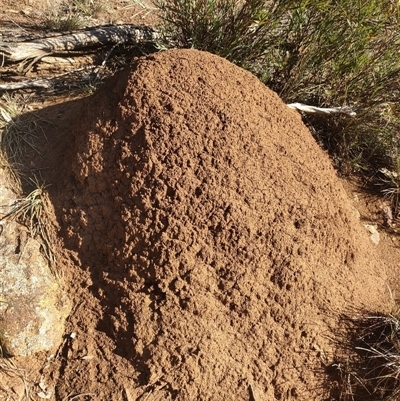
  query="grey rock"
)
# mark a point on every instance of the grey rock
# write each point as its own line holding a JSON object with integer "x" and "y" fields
{"x": 33, "y": 307}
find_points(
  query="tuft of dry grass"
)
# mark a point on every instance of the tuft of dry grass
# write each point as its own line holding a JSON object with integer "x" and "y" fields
{"x": 388, "y": 181}
{"x": 19, "y": 131}
{"x": 372, "y": 370}
{"x": 18, "y": 134}
{"x": 72, "y": 15}
{"x": 33, "y": 212}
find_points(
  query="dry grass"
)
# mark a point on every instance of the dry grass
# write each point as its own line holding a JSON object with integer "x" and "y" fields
{"x": 15, "y": 374}
{"x": 372, "y": 368}
{"x": 72, "y": 15}
{"x": 18, "y": 134}
{"x": 389, "y": 184}
{"x": 19, "y": 130}
{"x": 33, "y": 212}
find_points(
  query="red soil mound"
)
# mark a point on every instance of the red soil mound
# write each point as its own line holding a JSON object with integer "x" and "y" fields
{"x": 216, "y": 247}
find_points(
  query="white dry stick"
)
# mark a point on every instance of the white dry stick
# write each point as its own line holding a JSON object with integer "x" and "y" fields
{"x": 322, "y": 110}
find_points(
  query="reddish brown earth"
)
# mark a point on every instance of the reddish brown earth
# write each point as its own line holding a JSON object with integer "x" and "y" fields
{"x": 211, "y": 248}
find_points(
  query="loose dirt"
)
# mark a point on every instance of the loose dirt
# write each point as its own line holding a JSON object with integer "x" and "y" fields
{"x": 209, "y": 247}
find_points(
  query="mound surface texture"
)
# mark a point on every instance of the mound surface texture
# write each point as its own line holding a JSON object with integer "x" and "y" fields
{"x": 215, "y": 247}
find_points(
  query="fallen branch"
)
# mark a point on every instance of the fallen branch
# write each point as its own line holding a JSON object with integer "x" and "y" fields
{"x": 80, "y": 40}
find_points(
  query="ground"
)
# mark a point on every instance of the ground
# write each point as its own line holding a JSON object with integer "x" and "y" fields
{"x": 166, "y": 300}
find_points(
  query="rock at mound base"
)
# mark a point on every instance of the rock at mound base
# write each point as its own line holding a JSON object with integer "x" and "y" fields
{"x": 33, "y": 306}
{"x": 216, "y": 244}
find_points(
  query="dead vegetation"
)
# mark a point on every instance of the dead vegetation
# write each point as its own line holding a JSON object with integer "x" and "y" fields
{"x": 371, "y": 368}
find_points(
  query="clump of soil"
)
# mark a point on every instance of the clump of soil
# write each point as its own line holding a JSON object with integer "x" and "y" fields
{"x": 215, "y": 248}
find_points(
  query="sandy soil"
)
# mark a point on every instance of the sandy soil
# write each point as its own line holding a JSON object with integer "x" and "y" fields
{"x": 209, "y": 247}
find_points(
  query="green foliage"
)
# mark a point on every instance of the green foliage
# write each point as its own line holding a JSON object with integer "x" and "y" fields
{"x": 239, "y": 31}
{"x": 324, "y": 53}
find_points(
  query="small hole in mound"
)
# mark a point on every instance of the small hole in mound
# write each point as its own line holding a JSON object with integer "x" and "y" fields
{"x": 171, "y": 192}
{"x": 184, "y": 303}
